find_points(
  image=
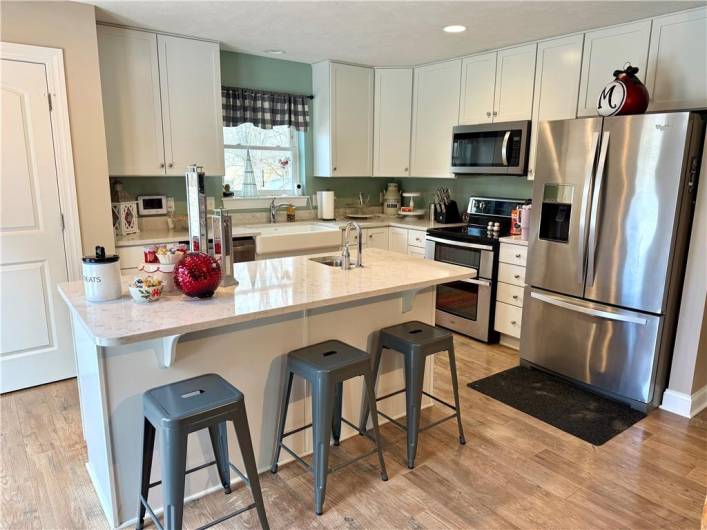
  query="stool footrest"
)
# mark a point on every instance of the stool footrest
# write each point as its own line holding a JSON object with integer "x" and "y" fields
{"x": 197, "y": 468}
{"x": 439, "y": 400}
{"x": 295, "y": 431}
{"x": 240, "y": 474}
{"x": 391, "y": 394}
{"x": 299, "y": 459}
{"x": 393, "y": 421}
{"x": 435, "y": 423}
{"x": 152, "y": 515}
{"x": 227, "y": 516}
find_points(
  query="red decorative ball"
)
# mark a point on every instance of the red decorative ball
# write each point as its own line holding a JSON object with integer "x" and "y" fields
{"x": 197, "y": 274}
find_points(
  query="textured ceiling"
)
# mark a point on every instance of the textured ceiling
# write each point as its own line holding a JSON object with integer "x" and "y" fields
{"x": 375, "y": 33}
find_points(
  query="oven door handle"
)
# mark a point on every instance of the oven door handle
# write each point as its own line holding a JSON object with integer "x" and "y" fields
{"x": 504, "y": 148}
{"x": 459, "y": 243}
{"x": 485, "y": 283}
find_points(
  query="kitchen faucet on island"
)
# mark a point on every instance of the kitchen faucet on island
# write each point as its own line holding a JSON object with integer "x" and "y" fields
{"x": 345, "y": 253}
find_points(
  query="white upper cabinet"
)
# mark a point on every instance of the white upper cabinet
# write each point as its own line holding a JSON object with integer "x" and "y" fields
{"x": 515, "y": 76}
{"x": 477, "y": 90}
{"x": 606, "y": 50}
{"x": 392, "y": 122}
{"x": 677, "y": 62}
{"x": 435, "y": 112}
{"x": 191, "y": 104}
{"x": 130, "y": 82}
{"x": 343, "y": 120}
{"x": 161, "y": 101}
{"x": 557, "y": 72}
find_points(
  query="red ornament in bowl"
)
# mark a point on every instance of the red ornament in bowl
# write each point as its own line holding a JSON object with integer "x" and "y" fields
{"x": 197, "y": 275}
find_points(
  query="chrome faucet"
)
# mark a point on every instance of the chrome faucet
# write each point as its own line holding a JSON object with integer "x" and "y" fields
{"x": 275, "y": 208}
{"x": 345, "y": 252}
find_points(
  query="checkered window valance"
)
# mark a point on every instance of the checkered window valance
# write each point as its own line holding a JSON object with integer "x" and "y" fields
{"x": 264, "y": 109}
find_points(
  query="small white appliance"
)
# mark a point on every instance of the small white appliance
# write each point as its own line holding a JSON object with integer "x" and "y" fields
{"x": 101, "y": 276}
{"x": 325, "y": 205}
{"x": 391, "y": 199}
{"x": 152, "y": 204}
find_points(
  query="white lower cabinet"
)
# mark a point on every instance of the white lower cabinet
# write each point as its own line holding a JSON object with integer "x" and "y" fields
{"x": 398, "y": 239}
{"x": 376, "y": 238}
{"x": 509, "y": 291}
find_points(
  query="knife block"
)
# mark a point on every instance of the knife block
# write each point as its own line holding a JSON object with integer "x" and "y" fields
{"x": 450, "y": 215}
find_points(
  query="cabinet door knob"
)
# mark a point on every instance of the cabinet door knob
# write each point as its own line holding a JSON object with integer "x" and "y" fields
{"x": 513, "y": 322}
{"x": 170, "y": 165}
{"x": 530, "y": 172}
{"x": 406, "y": 170}
{"x": 334, "y": 168}
{"x": 488, "y": 114}
{"x": 161, "y": 165}
{"x": 495, "y": 113}
{"x": 371, "y": 236}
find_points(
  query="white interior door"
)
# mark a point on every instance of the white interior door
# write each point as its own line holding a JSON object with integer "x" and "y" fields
{"x": 35, "y": 336}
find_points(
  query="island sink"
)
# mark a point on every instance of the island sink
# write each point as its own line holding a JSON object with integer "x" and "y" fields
{"x": 332, "y": 261}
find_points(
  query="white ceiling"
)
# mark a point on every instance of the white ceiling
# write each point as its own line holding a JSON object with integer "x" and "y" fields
{"x": 376, "y": 33}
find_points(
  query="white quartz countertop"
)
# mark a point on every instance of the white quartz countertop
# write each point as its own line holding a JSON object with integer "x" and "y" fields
{"x": 151, "y": 237}
{"x": 514, "y": 240}
{"x": 266, "y": 288}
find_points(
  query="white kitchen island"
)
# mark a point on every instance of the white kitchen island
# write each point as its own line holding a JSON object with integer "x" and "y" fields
{"x": 243, "y": 334}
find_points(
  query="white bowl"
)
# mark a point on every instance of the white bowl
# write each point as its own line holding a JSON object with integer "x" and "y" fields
{"x": 144, "y": 295}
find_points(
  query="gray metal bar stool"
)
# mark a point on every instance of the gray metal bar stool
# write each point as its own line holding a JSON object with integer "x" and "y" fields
{"x": 177, "y": 409}
{"x": 416, "y": 340}
{"x": 326, "y": 366}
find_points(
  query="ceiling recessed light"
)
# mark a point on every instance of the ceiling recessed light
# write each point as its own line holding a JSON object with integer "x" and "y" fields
{"x": 454, "y": 29}
{"x": 275, "y": 52}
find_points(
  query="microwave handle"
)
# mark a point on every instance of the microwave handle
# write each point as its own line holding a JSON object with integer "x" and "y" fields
{"x": 504, "y": 148}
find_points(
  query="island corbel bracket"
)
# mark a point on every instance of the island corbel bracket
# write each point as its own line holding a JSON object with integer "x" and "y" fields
{"x": 408, "y": 298}
{"x": 168, "y": 352}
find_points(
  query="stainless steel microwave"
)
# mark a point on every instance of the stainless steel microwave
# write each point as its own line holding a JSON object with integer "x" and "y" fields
{"x": 491, "y": 148}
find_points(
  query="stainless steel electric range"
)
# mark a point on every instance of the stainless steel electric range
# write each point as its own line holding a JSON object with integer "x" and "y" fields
{"x": 467, "y": 306}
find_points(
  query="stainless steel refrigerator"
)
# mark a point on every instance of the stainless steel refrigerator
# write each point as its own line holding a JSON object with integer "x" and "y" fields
{"x": 612, "y": 209}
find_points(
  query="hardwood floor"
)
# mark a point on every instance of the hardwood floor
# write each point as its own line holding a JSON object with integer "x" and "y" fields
{"x": 514, "y": 471}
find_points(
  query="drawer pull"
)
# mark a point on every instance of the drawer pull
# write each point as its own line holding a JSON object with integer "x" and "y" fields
{"x": 515, "y": 297}
{"x": 516, "y": 276}
{"x": 518, "y": 255}
{"x": 513, "y": 322}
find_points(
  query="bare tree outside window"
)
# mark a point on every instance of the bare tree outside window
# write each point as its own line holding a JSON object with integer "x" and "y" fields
{"x": 273, "y": 152}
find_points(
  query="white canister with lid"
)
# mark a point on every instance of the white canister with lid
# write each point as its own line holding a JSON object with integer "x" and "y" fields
{"x": 101, "y": 276}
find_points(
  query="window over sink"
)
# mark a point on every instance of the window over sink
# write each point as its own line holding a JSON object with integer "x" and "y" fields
{"x": 274, "y": 155}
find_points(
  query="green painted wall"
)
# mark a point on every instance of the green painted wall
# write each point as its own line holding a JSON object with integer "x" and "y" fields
{"x": 250, "y": 71}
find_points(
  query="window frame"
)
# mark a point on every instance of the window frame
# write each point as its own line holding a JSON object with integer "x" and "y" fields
{"x": 294, "y": 147}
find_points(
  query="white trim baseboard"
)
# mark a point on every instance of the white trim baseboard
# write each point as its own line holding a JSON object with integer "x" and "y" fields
{"x": 684, "y": 404}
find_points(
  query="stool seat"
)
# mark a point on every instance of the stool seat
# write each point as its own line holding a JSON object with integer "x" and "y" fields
{"x": 187, "y": 402}
{"x": 416, "y": 337}
{"x": 328, "y": 356}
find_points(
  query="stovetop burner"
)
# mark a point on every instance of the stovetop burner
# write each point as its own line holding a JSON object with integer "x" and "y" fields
{"x": 471, "y": 233}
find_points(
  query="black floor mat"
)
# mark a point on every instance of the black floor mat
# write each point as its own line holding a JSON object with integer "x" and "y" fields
{"x": 578, "y": 412}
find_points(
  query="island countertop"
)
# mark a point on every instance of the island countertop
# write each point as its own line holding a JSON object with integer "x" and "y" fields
{"x": 265, "y": 288}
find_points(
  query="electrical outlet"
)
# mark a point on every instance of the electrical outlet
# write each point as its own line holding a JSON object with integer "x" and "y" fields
{"x": 170, "y": 204}
{"x": 210, "y": 203}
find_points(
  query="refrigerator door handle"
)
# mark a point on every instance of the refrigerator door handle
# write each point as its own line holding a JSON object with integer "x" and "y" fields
{"x": 582, "y": 246}
{"x": 596, "y": 198}
{"x": 504, "y": 148}
{"x": 606, "y": 315}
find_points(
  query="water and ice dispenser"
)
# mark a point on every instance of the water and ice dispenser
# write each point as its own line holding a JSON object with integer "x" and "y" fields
{"x": 556, "y": 212}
